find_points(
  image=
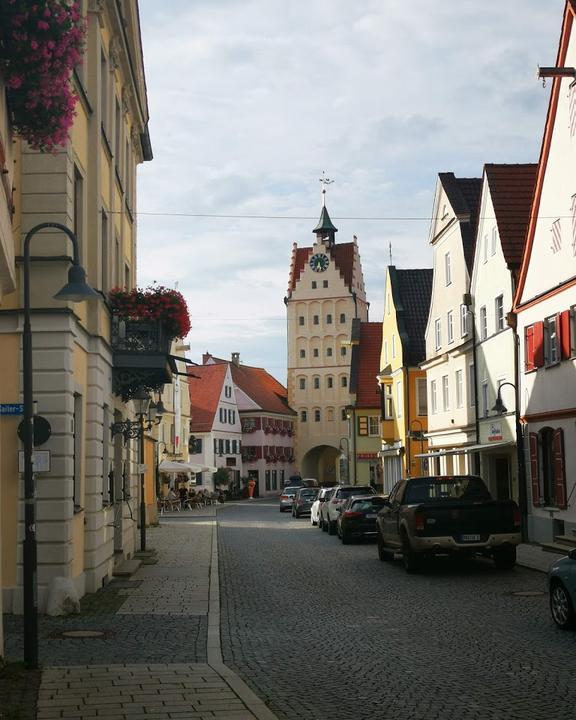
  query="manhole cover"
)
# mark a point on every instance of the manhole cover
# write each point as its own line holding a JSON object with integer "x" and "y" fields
{"x": 83, "y": 634}
{"x": 528, "y": 593}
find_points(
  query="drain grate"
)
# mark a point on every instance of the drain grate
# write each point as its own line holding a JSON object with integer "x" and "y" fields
{"x": 528, "y": 593}
{"x": 75, "y": 634}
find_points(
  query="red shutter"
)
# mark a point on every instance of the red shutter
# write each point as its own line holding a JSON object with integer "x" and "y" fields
{"x": 534, "y": 469}
{"x": 559, "y": 468}
{"x": 565, "y": 339}
{"x": 529, "y": 348}
{"x": 538, "y": 344}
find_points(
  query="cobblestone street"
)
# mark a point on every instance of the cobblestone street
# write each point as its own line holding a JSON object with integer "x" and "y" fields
{"x": 322, "y": 630}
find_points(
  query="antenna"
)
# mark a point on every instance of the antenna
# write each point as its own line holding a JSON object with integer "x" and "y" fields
{"x": 390, "y": 252}
{"x": 324, "y": 181}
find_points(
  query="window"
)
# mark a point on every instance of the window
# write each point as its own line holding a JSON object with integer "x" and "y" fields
{"x": 499, "y": 313}
{"x": 316, "y": 383}
{"x": 445, "y": 393}
{"x": 483, "y": 323}
{"x": 314, "y": 285}
{"x": 421, "y": 397}
{"x": 459, "y": 389}
{"x": 551, "y": 349}
{"x": 324, "y": 283}
{"x": 317, "y": 415}
{"x": 105, "y": 253}
{"x": 329, "y": 319}
{"x": 104, "y": 92}
{"x": 494, "y": 241}
{"x": 343, "y": 350}
{"x": 343, "y": 414}
{"x": 433, "y": 397}
{"x": 227, "y": 447}
{"x": 463, "y": 320}
{"x": 450, "y": 324}
{"x": 315, "y": 320}
{"x": 548, "y": 467}
{"x": 330, "y": 414}
{"x": 302, "y": 383}
{"x": 471, "y": 385}
{"x": 301, "y": 320}
{"x": 484, "y": 398}
{"x": 447, "y": 269}
{"x": 228, "y": 391}
{"x": 316, "y": 352}
{"x": 374, "y": 426}
{"x": 78, "y": 207}
{"x": 362, "y": 425}
{"x": 342, "y": 317}
{"x": 329, "y": 352}
{"x": 533, "y": 346}
{"x": 388, "y": 402}
{"x": 344, "y": 381}
{"x": 399, "y": 399}
{"x": 107, "y": 470}
{"x": 77, "y": 427}
{"x": 329, "y": 381}
{"x": 222, "y": 415}
{"x": 302, "y": 353}
{"x": 117, "y": 137}
{"x": 267, "y": 479}
{"x": 230, "y": 417}
{"x": 303, "y": 416}
{"x": 274, "y": 479}
{"x": 438, "y": 334}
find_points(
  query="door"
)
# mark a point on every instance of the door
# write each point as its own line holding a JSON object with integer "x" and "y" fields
{"x": 502, "y": 478}
{"x": 390, "y": 514}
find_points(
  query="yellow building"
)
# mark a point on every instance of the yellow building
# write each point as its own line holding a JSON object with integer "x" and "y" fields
{"x": 87, "y": 499}
{"x": 404, "y": 395}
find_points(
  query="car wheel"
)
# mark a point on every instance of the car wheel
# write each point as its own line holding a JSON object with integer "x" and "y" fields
{"x": 505, "y": 557}
{"x": 346, "y": 539}
{"x": 296, "y": 514}
{"x": 412, "y": 560}
{"x": 382, "y": 554}
{"x": 313, "y": 522}
{"x": 561, "y": 606}
{"x": 331, "y": 527}
{"x": 281, "y": 509}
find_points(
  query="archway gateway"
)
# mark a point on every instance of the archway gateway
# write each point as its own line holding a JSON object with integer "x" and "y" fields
{"x": 322, "y": 463}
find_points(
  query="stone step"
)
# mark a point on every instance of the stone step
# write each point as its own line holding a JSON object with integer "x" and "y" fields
{"x": 126, "y": 568}
{"x": 559, "y": 546}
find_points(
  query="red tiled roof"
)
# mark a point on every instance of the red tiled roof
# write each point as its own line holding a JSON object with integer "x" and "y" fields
{"x": 205, "y": 387}
{"x": 342, "y": 255}
{"x": 262, "y": 388}
{"x": 512, "y": 192}
{"x": 370, "y": 346}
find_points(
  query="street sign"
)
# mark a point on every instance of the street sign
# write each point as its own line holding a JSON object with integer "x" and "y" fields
{"x": 11, "y": 409}
{"x": 40, "y": 461}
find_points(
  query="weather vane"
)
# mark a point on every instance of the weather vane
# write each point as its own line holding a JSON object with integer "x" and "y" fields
{"x": 324, "y": 181}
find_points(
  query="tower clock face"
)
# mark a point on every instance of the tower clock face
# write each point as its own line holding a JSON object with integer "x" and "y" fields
{"x": 319, "y": 262}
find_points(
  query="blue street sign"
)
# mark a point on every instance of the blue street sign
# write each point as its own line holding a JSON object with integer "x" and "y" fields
{"x": 11, "y": 409}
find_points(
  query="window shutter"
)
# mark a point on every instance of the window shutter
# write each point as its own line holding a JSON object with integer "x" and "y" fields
{"x": 529, "y": 348}
{"x": 563, "y": 323}
{"x": 534, "y": 469}
{"x": 538, "y": 344}
{"x": 559, "y": 468}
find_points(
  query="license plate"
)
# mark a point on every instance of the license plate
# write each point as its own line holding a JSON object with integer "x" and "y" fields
{"x": 371, "y": 517}
{"x": 470, "y": 538}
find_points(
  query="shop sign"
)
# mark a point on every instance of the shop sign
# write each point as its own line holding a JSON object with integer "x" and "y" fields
{"x": 495, "y": 432}
{"x": 367, "y": 456}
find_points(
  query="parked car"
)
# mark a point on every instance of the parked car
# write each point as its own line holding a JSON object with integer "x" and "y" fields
{"x": 357, "y": 517}
{"x": 303, "y": 500}
{"x": 342, "y": 493}
{"x": 441, "y": 515}
{"x": 298, "y": 481}
{"x": 323, "y": 512}
{"x": 316, "y": 505}
{"x": 562, "y": 587}
{"x": 287, "y": 498}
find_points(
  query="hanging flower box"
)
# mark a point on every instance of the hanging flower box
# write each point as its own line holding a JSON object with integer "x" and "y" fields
{"x": 155, "y": 302}
{"x": 40, "y": 45}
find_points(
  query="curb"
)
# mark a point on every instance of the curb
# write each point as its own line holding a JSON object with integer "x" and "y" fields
{"x": 214, "y": 648}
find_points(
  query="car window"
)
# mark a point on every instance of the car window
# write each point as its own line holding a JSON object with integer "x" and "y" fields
{"x": 442, "y": 489}
{"x": 290, "y": 491}
{"x": 367, "y": 505}
{"x": 329, "y": 494}
{"x": 347, "y": 492}
{"x": 310, "y": 492}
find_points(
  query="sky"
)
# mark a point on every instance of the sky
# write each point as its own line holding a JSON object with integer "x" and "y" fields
{"x": 252, "y": 100}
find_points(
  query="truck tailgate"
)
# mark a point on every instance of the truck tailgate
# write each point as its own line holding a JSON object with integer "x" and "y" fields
{"x": 467, "y": 522}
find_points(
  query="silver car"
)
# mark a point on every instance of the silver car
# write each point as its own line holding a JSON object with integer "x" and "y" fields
{"x": 316, "y": 506}
{"x": 287, "y": 498}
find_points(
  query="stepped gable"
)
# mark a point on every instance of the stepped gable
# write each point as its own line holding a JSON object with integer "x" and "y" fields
{"x": 205, "y": 387}
{"x": 412, "y": 293}
{"x": 368, "y": 367}
{"x": 512, "y": 191}
{"x": 464, "y": 196}
{"x": 342, "y": 255}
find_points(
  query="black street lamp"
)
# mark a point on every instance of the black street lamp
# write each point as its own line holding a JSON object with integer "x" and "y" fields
{"x": 417, "y": 435}
{"x": 501, "y": 409}
{"x": 145, "y": 409}
{"x": 75, "y": 290}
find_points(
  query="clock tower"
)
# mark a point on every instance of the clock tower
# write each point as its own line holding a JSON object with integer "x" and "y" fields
{"x": 325, "y": 293}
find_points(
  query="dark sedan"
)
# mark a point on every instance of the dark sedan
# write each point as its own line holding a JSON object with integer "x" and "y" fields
{"x": 303, "y": 500}
{"x": 357, "y": 517}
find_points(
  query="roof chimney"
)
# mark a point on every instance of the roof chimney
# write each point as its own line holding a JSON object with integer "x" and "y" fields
{"x": 236, "y": 359}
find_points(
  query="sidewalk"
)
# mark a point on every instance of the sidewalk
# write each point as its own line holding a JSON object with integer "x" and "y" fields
{"x": 181, "y": 587}
{"x": 533, "y": 557}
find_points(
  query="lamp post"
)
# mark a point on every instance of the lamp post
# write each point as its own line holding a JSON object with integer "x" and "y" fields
{"x": 417, "y": 435}
{"x": 130, "y": 429}
{"x": 501, "y": 409}
{"x": 345, "y": 458}
{"x": 75, "y": 290}
{"x": 164, "y": 452}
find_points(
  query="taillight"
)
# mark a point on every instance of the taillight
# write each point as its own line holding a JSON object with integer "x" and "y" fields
{"x": 516, "y": 517}
{"x": 352, "y": 514}
{"x": 420, "y": 521}
{"x": 284, "y": 497}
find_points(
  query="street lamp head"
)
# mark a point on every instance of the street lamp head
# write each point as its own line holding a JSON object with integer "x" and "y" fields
{"x": 160, "y": 409}
{"x": 141, "y": 401}
{"x": 499, "y": 407}
{"x": 76, "y": 289}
